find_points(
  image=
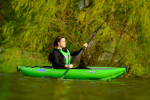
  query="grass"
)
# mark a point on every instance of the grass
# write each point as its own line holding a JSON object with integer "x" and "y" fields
{"x": 11, "y": 58}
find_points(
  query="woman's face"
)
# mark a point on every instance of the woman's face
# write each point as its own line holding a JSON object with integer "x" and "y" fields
{"x": 62, "y": 43}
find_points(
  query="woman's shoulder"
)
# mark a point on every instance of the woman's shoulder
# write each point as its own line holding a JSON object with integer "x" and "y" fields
{"x": 55, "y": 50}
{"x": 58, "y": 50}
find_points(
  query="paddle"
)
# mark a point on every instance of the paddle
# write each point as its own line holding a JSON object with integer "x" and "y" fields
{"x": 83, "y": 48}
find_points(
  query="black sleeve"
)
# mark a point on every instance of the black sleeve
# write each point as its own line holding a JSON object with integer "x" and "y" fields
{"x": 75, "y": 53}
{"x": 57, "y": 57}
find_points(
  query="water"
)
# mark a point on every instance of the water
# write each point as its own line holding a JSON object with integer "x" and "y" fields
{"x": 15, "y": 86}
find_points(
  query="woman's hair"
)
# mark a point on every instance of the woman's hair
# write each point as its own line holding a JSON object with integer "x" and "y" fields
{"x": 58, "y": 38}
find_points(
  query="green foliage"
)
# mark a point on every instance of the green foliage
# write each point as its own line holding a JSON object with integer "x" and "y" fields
{"x": 32, "y": 25}
{"x": 13, "y": 57}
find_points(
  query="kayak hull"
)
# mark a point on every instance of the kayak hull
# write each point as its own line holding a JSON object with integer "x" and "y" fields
{"x": 95, "y": 73}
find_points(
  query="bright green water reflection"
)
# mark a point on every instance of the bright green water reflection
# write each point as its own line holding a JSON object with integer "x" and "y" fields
{"x": 15, "y": 86}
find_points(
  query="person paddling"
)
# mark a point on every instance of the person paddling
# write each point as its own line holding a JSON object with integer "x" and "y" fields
{"x": 60, "y": 57}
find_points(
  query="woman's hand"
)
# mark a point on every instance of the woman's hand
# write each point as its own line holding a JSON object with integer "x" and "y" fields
{"x": 69, "y": 66}
{"x": 85, "y": 45}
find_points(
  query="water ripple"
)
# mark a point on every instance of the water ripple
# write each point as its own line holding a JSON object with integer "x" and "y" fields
{"x": 113, "y": 90}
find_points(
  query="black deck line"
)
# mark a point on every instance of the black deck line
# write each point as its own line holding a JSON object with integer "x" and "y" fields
{"x": 50, "y": 67}
{"x": 103, "y": 68}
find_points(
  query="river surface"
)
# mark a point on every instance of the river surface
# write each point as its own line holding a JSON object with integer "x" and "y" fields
{"x": 15, "y": 86}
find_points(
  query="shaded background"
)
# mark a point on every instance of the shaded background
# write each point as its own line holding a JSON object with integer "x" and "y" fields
{"x": 28, "y": 29}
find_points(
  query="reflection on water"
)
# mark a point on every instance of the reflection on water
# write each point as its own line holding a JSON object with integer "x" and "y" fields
{"x": 15, "y": 86}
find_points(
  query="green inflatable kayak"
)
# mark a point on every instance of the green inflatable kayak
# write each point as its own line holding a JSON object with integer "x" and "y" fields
{"x": 95, "y": 73}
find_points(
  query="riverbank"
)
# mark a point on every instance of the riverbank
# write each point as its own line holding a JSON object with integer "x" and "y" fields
{"x": 13, "y": 57}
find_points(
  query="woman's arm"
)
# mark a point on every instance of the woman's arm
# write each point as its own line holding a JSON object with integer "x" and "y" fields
{"x": 77, "y": 52}
{"x": 56, "y": 58}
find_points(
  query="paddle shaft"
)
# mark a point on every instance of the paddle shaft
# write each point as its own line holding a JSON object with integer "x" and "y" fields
{"x": 84, "y": 48}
